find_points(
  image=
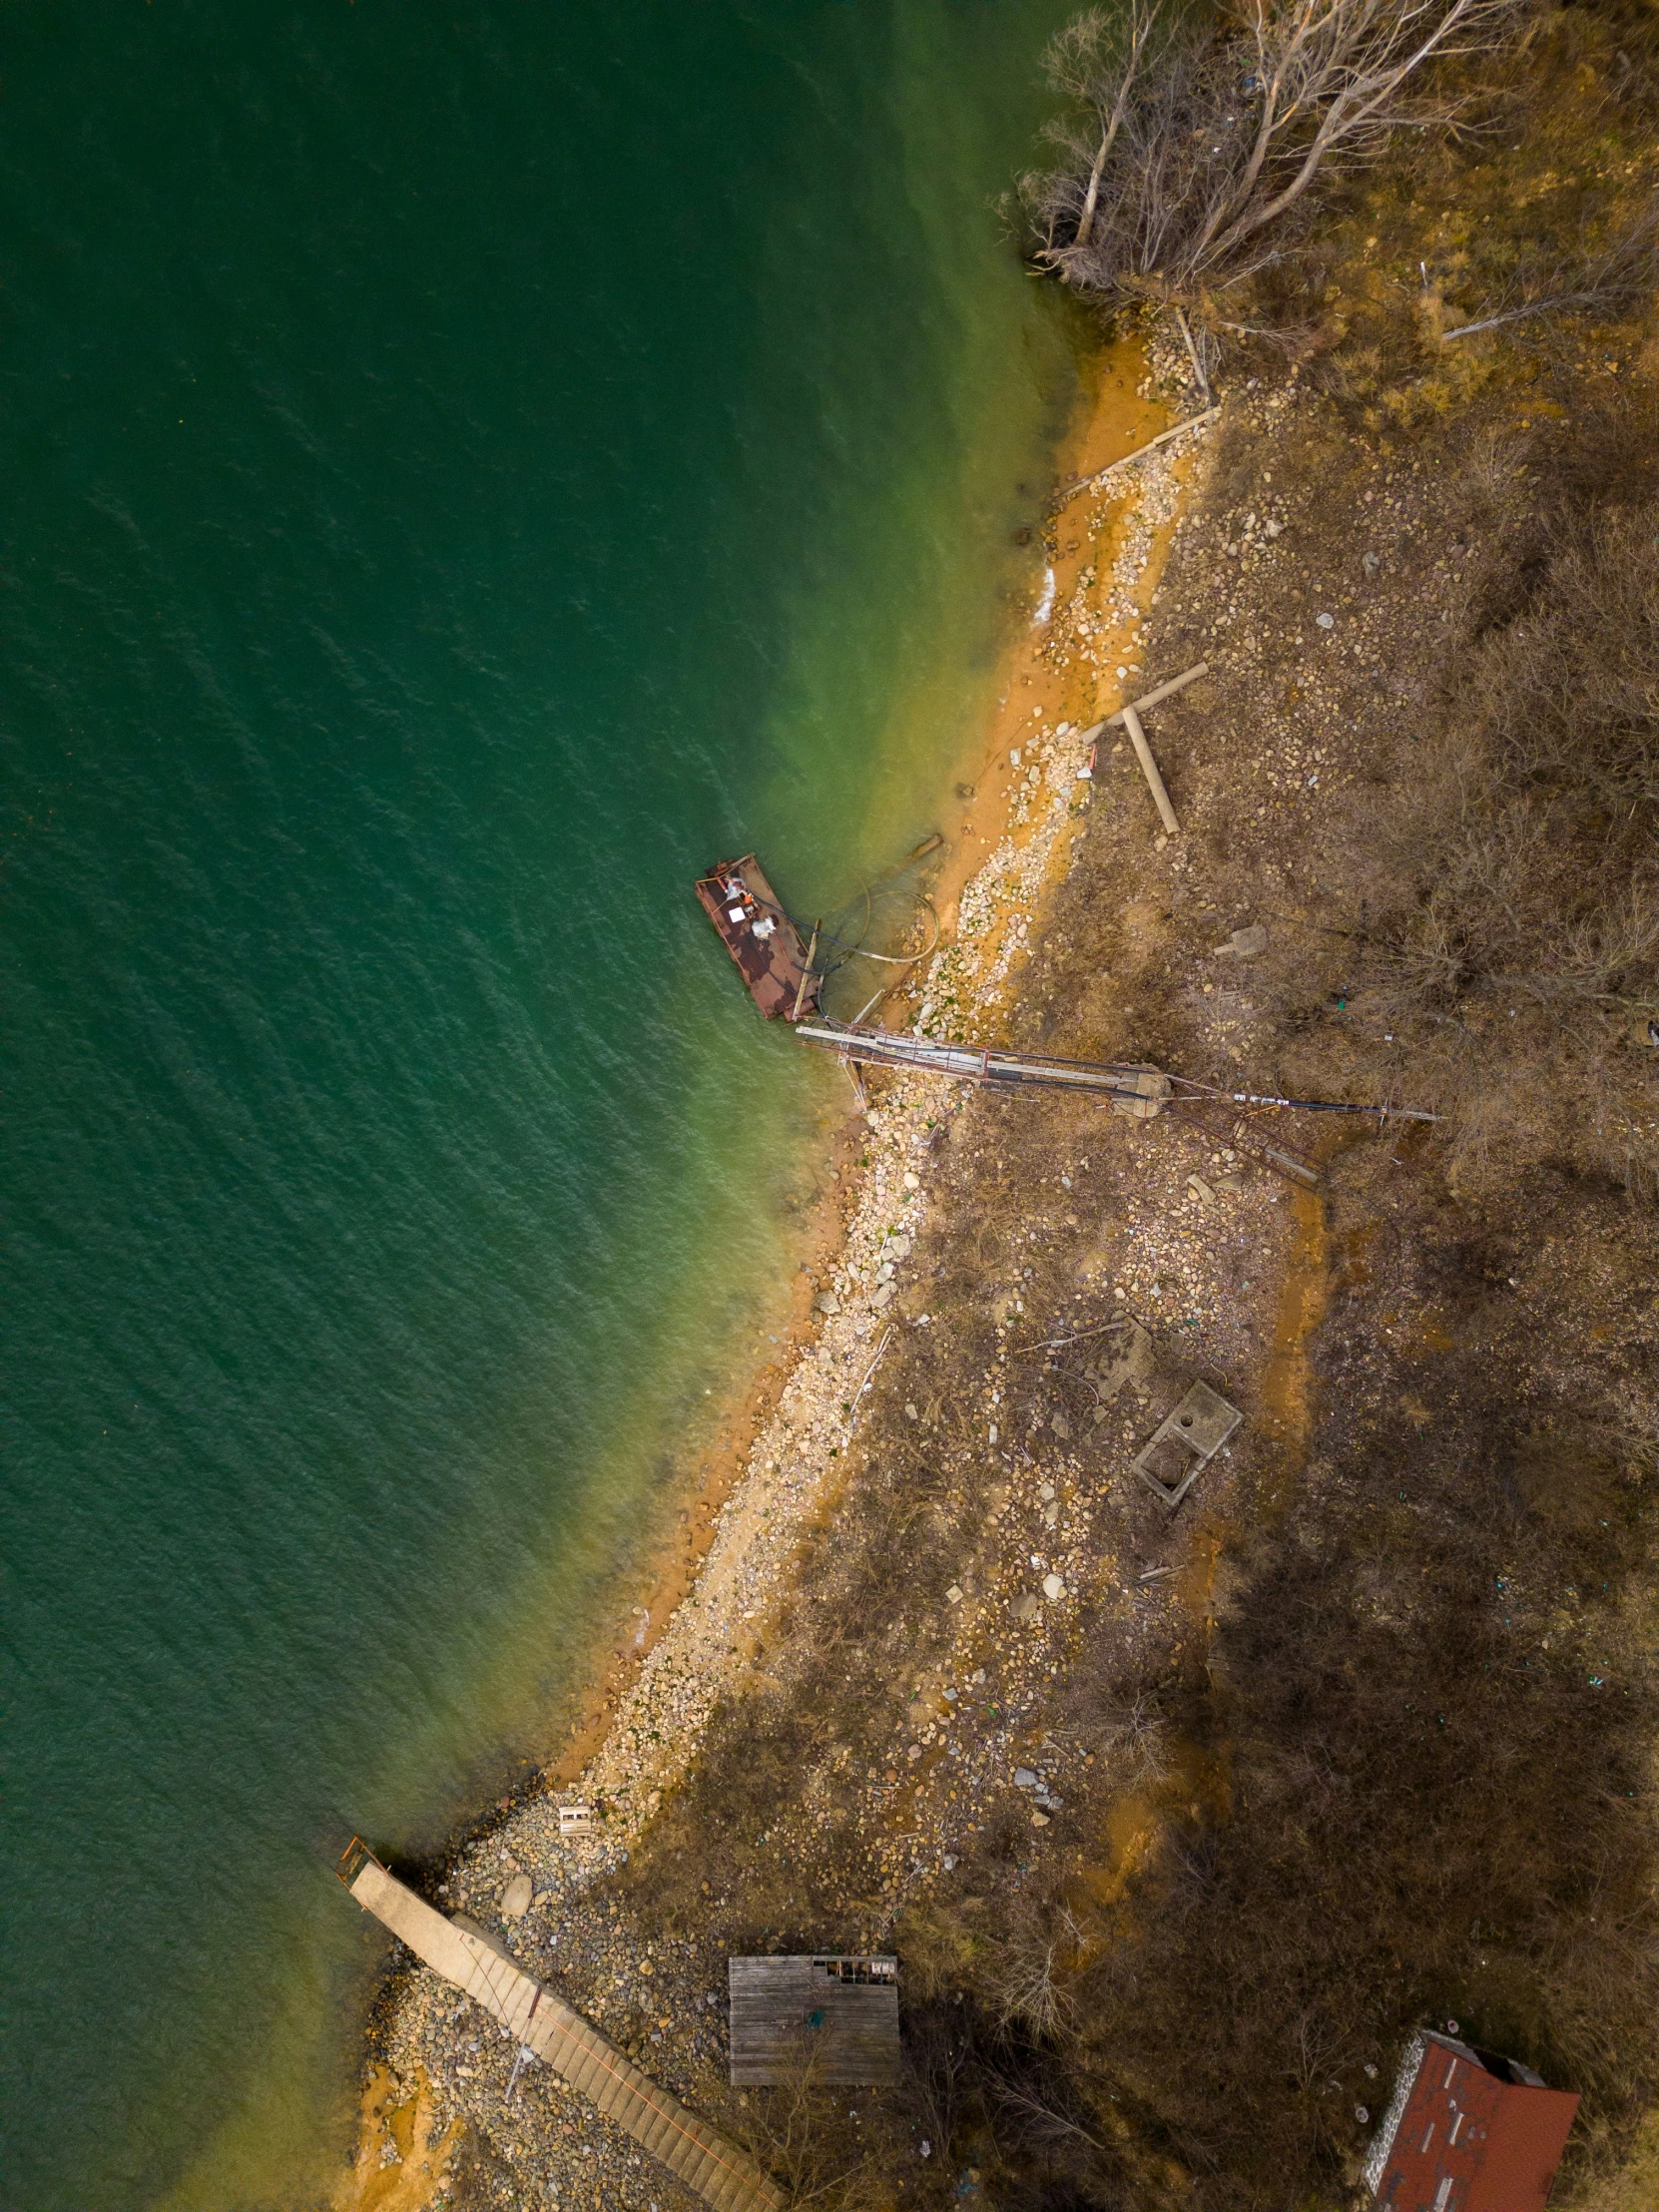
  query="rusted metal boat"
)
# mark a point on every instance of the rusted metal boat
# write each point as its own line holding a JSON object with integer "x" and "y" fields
{"x": 761, "y": 938}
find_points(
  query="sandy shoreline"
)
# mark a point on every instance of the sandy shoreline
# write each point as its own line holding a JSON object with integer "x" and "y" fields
{"x": 719, "y": 1581}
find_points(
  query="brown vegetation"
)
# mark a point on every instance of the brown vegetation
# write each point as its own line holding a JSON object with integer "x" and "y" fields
{"x": 1497, "y": 952}
{"x": 1490, "y": 928}
{"x": 1438, "y": 1776}
{"x": 1406, "y": 1771}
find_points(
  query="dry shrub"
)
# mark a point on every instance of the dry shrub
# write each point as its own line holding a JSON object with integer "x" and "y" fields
{"x": 1434, "y": 1812}
{"x": 1505, "y": 951}
{"x": 795, "y": 2130}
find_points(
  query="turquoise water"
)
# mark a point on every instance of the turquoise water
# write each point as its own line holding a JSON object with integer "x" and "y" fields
{"x": 467, "y": 468}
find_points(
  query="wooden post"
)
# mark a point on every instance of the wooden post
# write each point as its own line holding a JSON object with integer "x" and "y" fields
{"x": 1149, "y": 769}
{"x": 1192, "y": 354}
{"x": 806, "y": 974}
{"x": 1151, "y": 697}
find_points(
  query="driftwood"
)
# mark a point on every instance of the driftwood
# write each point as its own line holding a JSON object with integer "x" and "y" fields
{"x": 1175, "y": 684}
{"x": 1191, "y": 352}
{"x": 1130, "y": 717}
{"x": 1163, "y": 691}
{"x": 852, "y": 1409}
{"x": 1083, "y": 483}
{"x": 807, "y": 971}
{"x": 1149, "y": 769}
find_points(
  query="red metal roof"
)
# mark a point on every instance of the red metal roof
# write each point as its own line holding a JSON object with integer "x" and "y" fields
{"x": 1462, "y": 2138}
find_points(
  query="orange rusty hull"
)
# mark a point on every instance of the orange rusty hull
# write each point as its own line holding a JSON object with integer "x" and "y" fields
{"x": 773, "y": 961}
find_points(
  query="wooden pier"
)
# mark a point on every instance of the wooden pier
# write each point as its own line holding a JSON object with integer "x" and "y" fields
{"x": 1139, "y": 1092}
{"x": 761, "y": 938}
{"x": 701, "y": 2156}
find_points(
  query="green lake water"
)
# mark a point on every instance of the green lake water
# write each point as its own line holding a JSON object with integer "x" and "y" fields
{"x": 469, "y": 467}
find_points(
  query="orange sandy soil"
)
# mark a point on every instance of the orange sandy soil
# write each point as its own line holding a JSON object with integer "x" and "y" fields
{"x": 1114, "y": 420}
{"x": 424, "y": 2150}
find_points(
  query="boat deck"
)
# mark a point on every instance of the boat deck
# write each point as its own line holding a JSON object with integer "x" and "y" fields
{"x": 760, "y": 938}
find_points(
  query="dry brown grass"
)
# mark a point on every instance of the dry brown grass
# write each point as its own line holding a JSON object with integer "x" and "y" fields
{"x": 1497, "y": 943}
{"x": 1432, "y": 1698}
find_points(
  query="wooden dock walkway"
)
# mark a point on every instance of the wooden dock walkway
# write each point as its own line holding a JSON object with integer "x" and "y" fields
{"x": 1140, "y": 1092}
{"x": 701, "y": 2156}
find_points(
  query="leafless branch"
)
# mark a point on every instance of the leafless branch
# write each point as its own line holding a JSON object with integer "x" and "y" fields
{"x": 1200, "y": 141}
{"x": 1043, "y": 2116}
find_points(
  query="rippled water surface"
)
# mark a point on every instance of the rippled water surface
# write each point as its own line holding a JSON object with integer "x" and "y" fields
{"x": 468, "y": 466}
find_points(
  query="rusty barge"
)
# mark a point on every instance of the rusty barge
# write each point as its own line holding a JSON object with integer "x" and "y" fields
{"x": 761, "y": 938}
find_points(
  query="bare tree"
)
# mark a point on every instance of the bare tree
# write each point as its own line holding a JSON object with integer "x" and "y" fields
{"x": 792, "y": 2131}
{"x": 1199, "y": 141}
{"x": 1028, "y": 1984}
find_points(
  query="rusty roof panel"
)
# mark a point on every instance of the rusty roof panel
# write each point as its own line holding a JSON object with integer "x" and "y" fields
{"x": 1467, "y": 2133}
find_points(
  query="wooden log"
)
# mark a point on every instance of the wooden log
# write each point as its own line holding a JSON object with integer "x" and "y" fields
{"x": 1164, "y": 691}
{"x": 1191, "y": 354}
{"x": 1188, "y": 676}
{"x": 1149, "y": 769}
{"x": 806, "y": 974}
{"x": 1084, "y": 483}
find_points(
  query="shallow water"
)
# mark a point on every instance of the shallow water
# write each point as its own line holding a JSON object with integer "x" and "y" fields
{"x": 467, "y": 471}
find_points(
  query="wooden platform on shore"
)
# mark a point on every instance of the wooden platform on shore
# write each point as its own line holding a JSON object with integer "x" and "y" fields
{"x": 760, "y": 938}
{"x": 701, "y": 2156}
{"x": 830, "y": 2016}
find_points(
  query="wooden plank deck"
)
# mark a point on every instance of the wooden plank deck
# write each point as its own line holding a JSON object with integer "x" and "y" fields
{"x": 760, "y": 938}
{"x": 836, "y": 2015}
{"x": 701, "y": 2156}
